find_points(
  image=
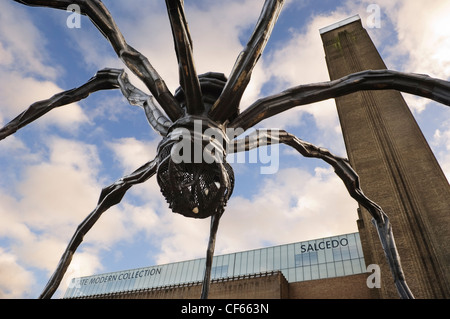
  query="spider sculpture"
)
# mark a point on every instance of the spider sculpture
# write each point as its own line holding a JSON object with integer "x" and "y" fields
{"x": 200, "y": 189}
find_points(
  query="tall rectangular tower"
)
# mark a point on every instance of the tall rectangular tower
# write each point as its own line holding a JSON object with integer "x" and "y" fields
{"x": 396, "y": 166}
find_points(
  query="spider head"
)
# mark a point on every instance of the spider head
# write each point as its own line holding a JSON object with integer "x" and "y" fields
{"x": 193, "y": 174}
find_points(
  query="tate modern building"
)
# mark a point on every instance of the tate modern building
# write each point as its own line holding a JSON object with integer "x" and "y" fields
{"x": 332, "y": 267}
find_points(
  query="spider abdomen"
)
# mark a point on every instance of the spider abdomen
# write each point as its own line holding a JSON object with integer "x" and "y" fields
{"x": 212, "y": 84}
{"x": 193, "y": 174}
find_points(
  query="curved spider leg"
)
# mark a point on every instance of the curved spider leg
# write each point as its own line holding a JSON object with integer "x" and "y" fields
{"x": 109, "y": 197}
{"x": 158, "y": 121}
{"x": 215, "y": 219}
{"x": 209, "y": 254}
{"x": 104, "y": 80}
{"x": 416, "y": 84}
{"x": 351, "y": 180}
{"x": 183, "y": 46}
{"x": 133, "y": 59}
{"x": 228, "y": 102}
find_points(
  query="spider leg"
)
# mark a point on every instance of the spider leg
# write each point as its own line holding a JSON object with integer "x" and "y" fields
{"x": 215, "y": 218}
{"x": 104, "y": 80}
{"x": 183, "y": 46}
{"x": 209, "y": 255}
{"x": 228, "y": 102}
{"x": 416, "y": 84}
{"x": 133, "y": 59}
{"x": 351, "y": 180}
{"x": 109, "y": 197}
{"x": 158, "y": 121}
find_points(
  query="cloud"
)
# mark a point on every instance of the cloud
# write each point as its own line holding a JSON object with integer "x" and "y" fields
{"x": 29, "y": 90}
{"x": 26, "y": 70}
{"x": 23, "y": 45}
{"x": 54, "y": 194}
{"x": 422, "y": 40}
{"x": 19, "y": 280}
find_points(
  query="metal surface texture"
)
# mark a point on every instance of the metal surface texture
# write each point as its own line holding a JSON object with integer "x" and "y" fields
{"x": 214, "y": 101}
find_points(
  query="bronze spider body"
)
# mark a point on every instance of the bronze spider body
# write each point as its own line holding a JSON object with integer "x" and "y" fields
{"x": 210, "y": 103}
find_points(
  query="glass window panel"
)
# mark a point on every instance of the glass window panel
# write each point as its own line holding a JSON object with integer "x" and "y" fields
{"x": 219, "y": 261}
{"x": 323, "y": 271}
{"x": 315, "y": 272}
{"x": 356, "y": 266}
{"x": 298, "y": 260}
{"x": 120, "y": 286}
{"x": 321, "y": 256}
{"x": 313, "y": 258}
{"x": 224, "y": 271}
{"x": 276, "y": 257}
{"x": 115, "y": 284}
{"x": 163, "y": 278}
{"x": 283, "y": 257}
{"x": 250, "y": 259}
{"x": 257, "y": 261}
{"x": 349, "y": 240}
{"x": 225, "y": 263}
{"x": 329, "y": 255}
{"x": 244, "y": 263}
{"x": 307, "y": 273}
{"x": 353, "y": 252}
{"x": 173, "y": 273}
{"x": 299, "y": 274}
{"x": 219, "y": 271}
{"x": 201, "y": 269}
{"x": 291, "y": 256}
{"x": 305, "y": 258}
{"x": 270, "y": 261}
{"x": 177, "y": 275}
{"x": 88, "y": 289}
{"x": 348, "y": 267}
{"x": 339, "y": 268}
{"x": 231, "y": 265}
{"x": 131, "y": 283}
{"x": 184, "y": 272}
{"x": 291, "y": 275}
{"x": 143, "y": 280}
{"x": 167, "y": 273}
{"x": 196, "y": 269}
{"x": 331, "y": 271}
{"x": 345, "y": 253}
{"x": 237, "y": 263}
{"x": 263, "y": 266}
{"x": 337, "y": 254}
{"x": 190, "y": 276}
{"x": 298, "y": 248}
{"x": 137, "y": 282}
{"x": 150, "y": 279}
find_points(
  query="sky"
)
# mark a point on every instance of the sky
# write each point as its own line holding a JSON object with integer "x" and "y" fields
{"x": 53, "y": 170}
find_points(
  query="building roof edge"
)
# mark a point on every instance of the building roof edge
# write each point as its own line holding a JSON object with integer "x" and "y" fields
{"x": 339, "y": 24}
